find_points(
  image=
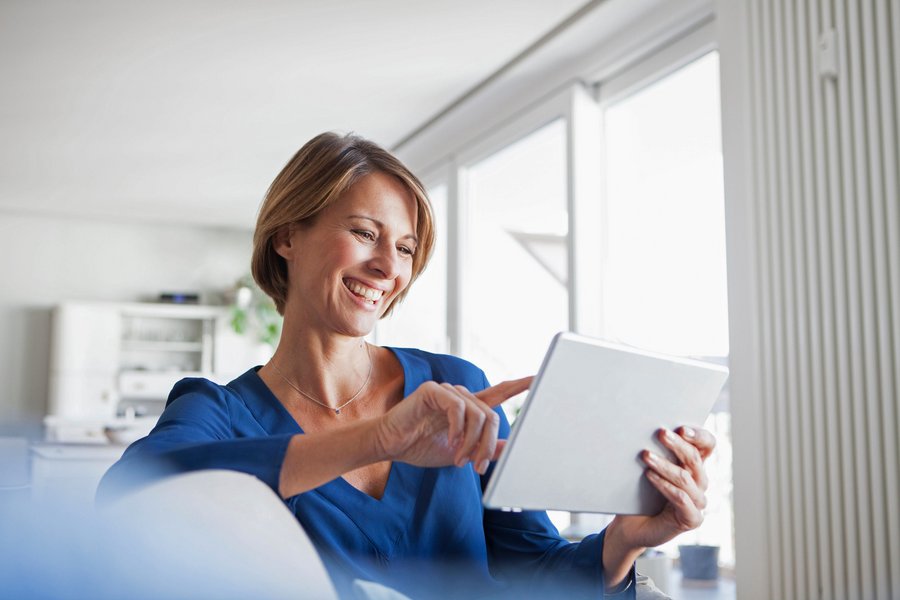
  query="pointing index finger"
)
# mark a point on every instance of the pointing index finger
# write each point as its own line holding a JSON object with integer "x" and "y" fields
{"x": 496, "y": 395}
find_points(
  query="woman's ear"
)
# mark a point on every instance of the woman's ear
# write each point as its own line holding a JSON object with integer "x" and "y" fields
{"x": 283, "y": 241}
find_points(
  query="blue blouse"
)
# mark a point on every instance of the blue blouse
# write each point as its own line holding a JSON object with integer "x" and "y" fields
{"x": 428, "y": 536}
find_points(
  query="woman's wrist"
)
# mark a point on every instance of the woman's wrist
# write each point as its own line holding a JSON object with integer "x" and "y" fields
{"x": 372, "y": 440}
{"x": 618, "y": 555}
{"x": 377, "y": 439}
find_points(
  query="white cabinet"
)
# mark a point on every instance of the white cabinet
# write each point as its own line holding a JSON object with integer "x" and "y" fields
{"x": 84, "y": 361}
{"x": 113, "y": 363}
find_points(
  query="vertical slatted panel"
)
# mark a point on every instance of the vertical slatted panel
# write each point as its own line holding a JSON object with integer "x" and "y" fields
{"x": 893, "y": 223}
{"x": 771, "y": 346}
{"x": 889, "y": 101}
{"x": 759, "y": 66}
{"x": 878, "y": 371}
{"x": 795, "y": 348}
{"x": 800, "y": 367}
{"x": 856, "y": 194}
{"x": 827, "y": 173}
{"x": 786, "y": 317}
{"x": 819, "y": 533}
{"x": 855, "y": 480}
{"x": 842, "y": 440}
{"x": 824, "y": 409}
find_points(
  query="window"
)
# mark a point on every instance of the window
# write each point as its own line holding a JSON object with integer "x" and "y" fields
{"x": 515, "y": 255}
{"x": 515, "y": 259}
{"x": 664, "y": 284}
{"x": 648, "y": 243}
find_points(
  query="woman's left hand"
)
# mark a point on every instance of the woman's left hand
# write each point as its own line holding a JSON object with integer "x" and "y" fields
{"x": 682, "y": 483}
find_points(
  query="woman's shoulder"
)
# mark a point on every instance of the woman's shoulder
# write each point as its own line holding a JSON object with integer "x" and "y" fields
{"x": 443, "y": 367}
{"x": 200, "y": 393}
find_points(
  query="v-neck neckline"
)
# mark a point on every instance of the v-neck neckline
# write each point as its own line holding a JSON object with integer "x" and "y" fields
{"x": 275, "y": 419}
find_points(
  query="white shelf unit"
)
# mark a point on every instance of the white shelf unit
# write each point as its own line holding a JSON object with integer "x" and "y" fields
{"x": 111, "y": 362}
{"x": 160, "y": 345}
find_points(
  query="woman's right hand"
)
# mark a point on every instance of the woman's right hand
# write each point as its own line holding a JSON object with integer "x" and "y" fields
{"x": 440, "y": 424}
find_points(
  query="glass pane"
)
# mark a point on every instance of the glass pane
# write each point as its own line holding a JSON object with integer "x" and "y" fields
{"x": 421, "y": 320}
{"x": 665, "y": 286}
{"x": 514, "y": 271}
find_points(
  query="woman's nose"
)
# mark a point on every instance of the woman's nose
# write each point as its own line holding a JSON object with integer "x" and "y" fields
{"x": 385, "y": 260}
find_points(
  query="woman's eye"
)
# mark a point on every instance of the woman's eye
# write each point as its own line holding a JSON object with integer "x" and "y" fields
{"x": 406, "y": 251}
{"x": 366, "y": 235}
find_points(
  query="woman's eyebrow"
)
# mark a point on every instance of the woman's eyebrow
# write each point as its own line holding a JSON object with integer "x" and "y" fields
{"x": 380, "y": 225}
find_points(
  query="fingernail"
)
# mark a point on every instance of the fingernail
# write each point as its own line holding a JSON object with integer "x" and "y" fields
{"x": 460, "y": 462}
{"x": 688, "y": 432}
{"x": 483, "y": 466}
{"x": 649, "y": 457}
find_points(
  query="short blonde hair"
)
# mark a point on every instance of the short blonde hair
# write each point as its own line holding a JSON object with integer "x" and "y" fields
{"x": 321, "y": 171}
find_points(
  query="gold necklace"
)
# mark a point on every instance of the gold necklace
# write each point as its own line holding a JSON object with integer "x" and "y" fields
{"x": 337, "y": 410}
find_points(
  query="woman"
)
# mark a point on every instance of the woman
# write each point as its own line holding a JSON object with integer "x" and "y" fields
{"x": 382, "y": 454}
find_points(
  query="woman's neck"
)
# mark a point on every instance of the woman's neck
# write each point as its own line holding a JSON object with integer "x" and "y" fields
{"x": 330, "y": 368}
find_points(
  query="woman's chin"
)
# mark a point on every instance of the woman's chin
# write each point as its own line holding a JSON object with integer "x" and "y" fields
{"x": 357, "y": 327}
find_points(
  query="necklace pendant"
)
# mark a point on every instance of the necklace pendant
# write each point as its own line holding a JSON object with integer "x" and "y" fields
{"x": 337, "y": 410}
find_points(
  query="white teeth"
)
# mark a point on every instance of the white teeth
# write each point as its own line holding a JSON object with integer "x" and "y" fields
{"x": 368, "y": 293}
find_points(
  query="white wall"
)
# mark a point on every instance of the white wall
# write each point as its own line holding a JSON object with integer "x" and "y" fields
{"x": 46, "y": 259}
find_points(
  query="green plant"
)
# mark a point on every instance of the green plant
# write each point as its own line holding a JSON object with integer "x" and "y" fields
{"x": 254, "y": 313}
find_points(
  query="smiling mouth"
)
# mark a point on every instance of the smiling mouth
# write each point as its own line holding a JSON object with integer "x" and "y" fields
{"x": 370, "y": 295}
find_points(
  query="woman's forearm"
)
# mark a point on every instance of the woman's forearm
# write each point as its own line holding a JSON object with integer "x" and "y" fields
{"x": 314, "y": 459}
{"x": 618, "y": 556}
{"x": 417, "y": 431}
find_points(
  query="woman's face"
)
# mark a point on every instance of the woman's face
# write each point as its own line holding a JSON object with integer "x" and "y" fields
{"x": 354, "y": 259}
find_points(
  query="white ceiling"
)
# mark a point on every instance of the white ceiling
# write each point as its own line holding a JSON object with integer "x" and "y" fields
{"x": 185, "y": 110}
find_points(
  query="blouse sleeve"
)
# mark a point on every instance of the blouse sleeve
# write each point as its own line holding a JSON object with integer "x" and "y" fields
{"x": 525, "y": 548}
{"x": 195, "y": 432}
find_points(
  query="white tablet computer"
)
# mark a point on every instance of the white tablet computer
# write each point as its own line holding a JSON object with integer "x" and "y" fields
{"x": 593, "y": 407}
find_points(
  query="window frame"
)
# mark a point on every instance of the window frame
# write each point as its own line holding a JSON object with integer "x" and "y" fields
{"x": 580, "y": 103}
{"x": 576, "y": 107}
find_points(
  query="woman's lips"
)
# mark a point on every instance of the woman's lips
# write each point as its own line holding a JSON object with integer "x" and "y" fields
{"x": 364, "y": 292}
